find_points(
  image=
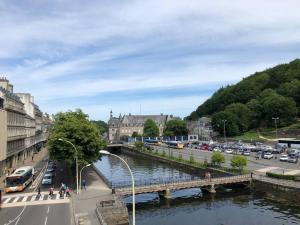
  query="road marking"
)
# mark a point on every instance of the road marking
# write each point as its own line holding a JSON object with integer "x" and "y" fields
{"x": 57, "y": 196}
{"x": 25, "y": 198}
{"x": 46, "y": 220}
{"x": 48, "y": 209}
{"x": 18, "y": 220}
{"x": 33, "y": 198}
{"x": 15, "y": 200}
{"x": 7, "y": 200}
{"x": 41, "y": 198}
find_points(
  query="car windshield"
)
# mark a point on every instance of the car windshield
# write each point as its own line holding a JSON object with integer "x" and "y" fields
{"x": 47, "y": 177}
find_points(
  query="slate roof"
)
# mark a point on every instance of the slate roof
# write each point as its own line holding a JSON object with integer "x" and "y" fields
{"x": 141, "y": 119}
{"x": 10, "y": 95}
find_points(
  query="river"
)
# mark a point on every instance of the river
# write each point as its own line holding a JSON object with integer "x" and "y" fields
{"x": 192, "y": 207}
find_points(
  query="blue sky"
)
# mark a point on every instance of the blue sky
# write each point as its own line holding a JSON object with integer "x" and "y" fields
{"x": 140, "y": 56}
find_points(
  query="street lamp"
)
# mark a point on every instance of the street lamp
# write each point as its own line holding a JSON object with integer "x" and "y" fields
{"x": 80, "y": 175}
{"x": 132, "y": 180}
{"x": 76, "y": 157}
{"x": 224, "y": 121}
{"x": 275, "y": 120}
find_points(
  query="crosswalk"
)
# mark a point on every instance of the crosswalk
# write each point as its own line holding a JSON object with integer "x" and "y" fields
{"x": 6, "y": 200}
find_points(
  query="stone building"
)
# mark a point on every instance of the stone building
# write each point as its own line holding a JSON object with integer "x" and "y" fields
{"x": 200, "y": 128}
{"x": 124, "y": 126}
{"x": 21, "y": 126}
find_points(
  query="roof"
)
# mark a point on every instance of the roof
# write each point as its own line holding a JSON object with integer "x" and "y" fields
{"x": 141, "y": 119}
{"x": 20, "y": 171}
{"x": 10, "y": 95}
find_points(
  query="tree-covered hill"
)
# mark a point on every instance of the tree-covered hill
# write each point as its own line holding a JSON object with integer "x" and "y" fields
{"x": 254, "y": 101}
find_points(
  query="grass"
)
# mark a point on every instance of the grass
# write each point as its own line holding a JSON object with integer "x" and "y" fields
{"x": 248, "y": 136}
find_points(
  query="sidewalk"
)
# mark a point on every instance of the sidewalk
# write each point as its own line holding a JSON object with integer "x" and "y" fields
{"x": 28, "y": 162}
{"x": 84, "y": 204}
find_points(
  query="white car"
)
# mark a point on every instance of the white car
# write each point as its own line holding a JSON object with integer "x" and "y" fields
{"x": 216, "y": 149}
{"x": 268, "y": 155}
{"x": 284, "y": 158}
{"x": 229, "y": 151}
{"x": 246, "y": 153}
{"x": 47, "y": 179}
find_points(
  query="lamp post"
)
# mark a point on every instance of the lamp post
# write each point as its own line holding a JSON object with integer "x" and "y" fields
{"x": 132, "y": 180}
{"x": 76, "y": 158}
{"x": 80, "y": 175}
{"x": 224, "y": 121}
{"x": 275, "y": 120}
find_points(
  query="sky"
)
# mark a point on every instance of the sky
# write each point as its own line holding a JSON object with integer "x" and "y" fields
{"x": 148, "y": 57}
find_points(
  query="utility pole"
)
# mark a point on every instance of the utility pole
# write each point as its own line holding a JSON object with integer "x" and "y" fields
{"x": 275, "y": 120}
{"x": 224, "y": 122}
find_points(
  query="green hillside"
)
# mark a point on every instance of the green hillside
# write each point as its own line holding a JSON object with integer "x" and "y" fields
{"x": 254, "y": 101}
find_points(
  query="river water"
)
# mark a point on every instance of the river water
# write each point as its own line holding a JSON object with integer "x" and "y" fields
{"x": 192, "y": 207}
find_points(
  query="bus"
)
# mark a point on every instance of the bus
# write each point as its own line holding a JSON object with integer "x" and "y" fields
{"x": 20, "y": 179}
{"x": 152, "y": 142}
{"x": 174, "y": 144}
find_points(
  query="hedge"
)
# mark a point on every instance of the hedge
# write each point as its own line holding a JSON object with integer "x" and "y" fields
{"x": 281, "y": 176}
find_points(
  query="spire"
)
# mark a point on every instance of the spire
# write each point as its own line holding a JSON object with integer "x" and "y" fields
{"x": 111, "y": 113}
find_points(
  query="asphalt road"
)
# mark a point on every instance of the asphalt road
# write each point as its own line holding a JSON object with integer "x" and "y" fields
{"x": 53, "y": 214}
{"x": 253, "y": 164}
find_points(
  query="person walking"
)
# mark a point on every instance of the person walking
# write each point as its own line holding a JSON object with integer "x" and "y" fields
{"x": 39, "y": 192}
{"x": 84, "y": 184}
{"x": 68, "y": 192}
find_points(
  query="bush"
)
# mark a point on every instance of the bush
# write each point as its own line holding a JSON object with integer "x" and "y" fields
{"x": 192, "y": 158}
{"x": 280, "y": 176}
{"x": 180, "y": 157}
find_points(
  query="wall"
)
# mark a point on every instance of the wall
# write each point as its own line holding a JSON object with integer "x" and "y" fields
{"x": 3, "y": 134}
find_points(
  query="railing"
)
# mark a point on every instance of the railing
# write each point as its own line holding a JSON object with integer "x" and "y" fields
{"x": 284, "y": 183}
{"x": 187, "y": 184}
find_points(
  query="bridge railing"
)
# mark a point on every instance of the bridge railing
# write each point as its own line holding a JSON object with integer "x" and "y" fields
{"x": 181, "y": 181}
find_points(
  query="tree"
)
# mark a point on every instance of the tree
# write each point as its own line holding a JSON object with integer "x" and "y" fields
{"x": 101, "y": 126}
{"x": 135, "y": 134}
{"x": 176, "y": 127}
{"x": 150, "y": 129}
{"x": 231, "y": 124}
{"x": 217, "y": 158}
{"x": 238, "y": 161}
{"x": 242, "y": 113}
{"x": 75, "y": 127}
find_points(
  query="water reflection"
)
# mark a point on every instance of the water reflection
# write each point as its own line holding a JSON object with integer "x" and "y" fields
{"x": 230, "y": 206}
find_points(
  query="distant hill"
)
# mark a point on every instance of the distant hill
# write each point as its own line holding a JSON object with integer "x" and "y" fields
{"x": 254, "y": 101}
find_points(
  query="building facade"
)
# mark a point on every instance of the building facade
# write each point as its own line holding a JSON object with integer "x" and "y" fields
{"x": 125, "y": 126}
{"x": 200, "y": 128}
{"x": 21, "y": 123}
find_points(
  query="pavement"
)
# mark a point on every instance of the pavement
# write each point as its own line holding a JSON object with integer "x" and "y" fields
{"x": 84, "y": 204}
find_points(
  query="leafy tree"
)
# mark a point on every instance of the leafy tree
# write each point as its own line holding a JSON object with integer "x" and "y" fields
{"x": 101, "y": 126}
{"x": 217, "y": 158}
{"x": 231, "y": 124}
{"x": 256, "y": 112}
{"x": 75, "y": 127}
{"x": 242, "y": 113}
{"x": 150, "y": 129}
{"x": 135, "y": 134}
{"x": 175, "y": 127}
{"x": 276, "y": 105}
{"x": 238, "y": 161}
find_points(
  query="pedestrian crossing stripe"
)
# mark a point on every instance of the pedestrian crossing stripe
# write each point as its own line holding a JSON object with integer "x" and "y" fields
{"x": 31, "y": 198}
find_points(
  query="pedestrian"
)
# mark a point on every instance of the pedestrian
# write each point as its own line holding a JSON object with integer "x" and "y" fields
{"x": 39, "y": 192}
{"x": 51, "y": 192}
{"x": 32, "y": 158}
{"x": 68, "y": 192}
{"x": 84, "y": 184}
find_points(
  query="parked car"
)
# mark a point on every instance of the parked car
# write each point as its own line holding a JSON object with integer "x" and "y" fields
{"x": 50, "y": 169}
{"x": 292, "y": 160}
{"x": 246, "y": 153}
{"x": 47, "y": 179}
{"x": 216, "y": 149}
{"x": 283, "y": 158}
{"x": 229, "y": 151}
{"x": 268, "y": 155}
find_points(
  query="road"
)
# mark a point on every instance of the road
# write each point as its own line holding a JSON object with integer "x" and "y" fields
{"x": 39, "y": 210}
{"x": 50, "y": 214}
{"x": 253, "y": 164}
